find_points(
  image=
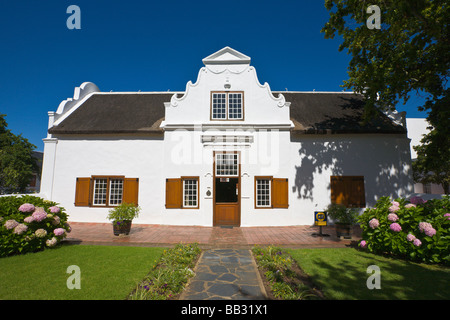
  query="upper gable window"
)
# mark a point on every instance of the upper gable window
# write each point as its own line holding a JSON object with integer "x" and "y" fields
{"x": 227, "y": 105}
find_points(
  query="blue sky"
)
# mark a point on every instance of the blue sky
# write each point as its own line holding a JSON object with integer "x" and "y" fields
{"x": 155, "y": 46}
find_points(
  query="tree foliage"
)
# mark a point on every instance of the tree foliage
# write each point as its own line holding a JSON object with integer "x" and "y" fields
{"x": 409, "y": 54}
{"x": 16, "y": 160}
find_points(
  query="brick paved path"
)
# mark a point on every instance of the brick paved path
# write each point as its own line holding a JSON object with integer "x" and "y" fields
{"x": 206, "y": 237}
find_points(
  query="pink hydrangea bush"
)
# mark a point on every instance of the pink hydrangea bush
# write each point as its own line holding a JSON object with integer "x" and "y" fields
{"x": 415, "y": 229}
{"x": 30, "y": 224}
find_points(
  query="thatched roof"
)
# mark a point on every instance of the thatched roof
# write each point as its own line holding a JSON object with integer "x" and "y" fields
{"x": 335, "y": 112}
{"x": 311, "y": 113}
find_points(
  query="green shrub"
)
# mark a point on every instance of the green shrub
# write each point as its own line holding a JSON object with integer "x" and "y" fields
{"x": 30, "y": 224}
{"x": 124, "y": 211}
{"x": 418, "y": 230}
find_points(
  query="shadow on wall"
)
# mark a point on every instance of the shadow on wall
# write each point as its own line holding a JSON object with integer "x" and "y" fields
{"x": 383, "y": 160}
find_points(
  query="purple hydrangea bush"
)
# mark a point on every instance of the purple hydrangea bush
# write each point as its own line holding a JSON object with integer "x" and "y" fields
{"x": 415, "y": 229}
{"x": 30, "y": 224}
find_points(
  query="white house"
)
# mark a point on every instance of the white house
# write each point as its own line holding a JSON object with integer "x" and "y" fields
{"x": 226, "y": 151}
{"x": 417, "y": 128}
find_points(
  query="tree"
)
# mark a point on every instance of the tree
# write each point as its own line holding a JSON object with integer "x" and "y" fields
{"x": 410, "y": 53}
{"x": 16, "y": 161}
{"x": 433, "y": 155}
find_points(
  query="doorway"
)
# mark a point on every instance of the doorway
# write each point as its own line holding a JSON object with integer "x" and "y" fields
{"x": 227, "y": 189}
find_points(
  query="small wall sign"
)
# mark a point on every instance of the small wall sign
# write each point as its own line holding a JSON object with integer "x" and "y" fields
{"x": 320, "y": 218}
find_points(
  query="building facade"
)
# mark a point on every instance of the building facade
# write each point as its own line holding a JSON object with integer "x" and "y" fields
{"x": 226, "y": 151}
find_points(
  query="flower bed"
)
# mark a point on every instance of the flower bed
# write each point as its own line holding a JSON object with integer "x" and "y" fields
{"x": 29, "y": 224}
{"x": 281, "y": 276}
{"x": 416, "y": 229}
{"x": 167, "y": 279}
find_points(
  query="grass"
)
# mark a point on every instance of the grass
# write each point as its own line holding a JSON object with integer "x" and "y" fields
{"x": 342, "y": 274}
{"x": 107, "y": 272}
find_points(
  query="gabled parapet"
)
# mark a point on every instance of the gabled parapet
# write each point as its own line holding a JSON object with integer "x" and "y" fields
{"x": 227, "y": 70}
{"x": 79, "y": 93}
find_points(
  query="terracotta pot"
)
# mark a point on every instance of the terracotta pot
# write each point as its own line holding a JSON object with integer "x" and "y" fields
{"x": 121, "y": 227}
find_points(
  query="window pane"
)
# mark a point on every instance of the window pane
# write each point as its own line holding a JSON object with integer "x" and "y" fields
{"x": 190, "y": 193}
{"x": 100, "y": 186}
{"x": 219, "y": 106}
{"x": 227, "y": 164}
{"x": 115, "y": 191}
{"x": 263, "y": 193}
{"x": 235, "y": 106}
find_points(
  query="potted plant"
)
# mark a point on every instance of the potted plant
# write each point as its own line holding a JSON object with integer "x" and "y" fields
{"x": 122, "y": 215}
{"x": 344, "y": 218}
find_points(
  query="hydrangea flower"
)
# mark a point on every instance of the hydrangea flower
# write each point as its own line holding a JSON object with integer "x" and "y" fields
{"x": 59, "y": 231}
{"x": 363, "y": 244}
{"x": 395, "y": 203}
{"x": 56, "y": 220}
{"x": 410, "y": 205}
{"x": 430, "y": 232}
{"x": 39, "y": 214}
{"x": 427, "y": 228}
{"x": 26, "y": 207}
{"x": 11, "y": 224}
{"x": 424, "y": 225}
{"x": 417, "y": 242}
{"x": 447, "y": 215}
{"x": 54, "y": 209}
{"x": 40, "y": 233}
{"x": 395, "y": 227}
{"x": 394, "y": 208}
{"x": 20, "y": 228}
{"x": 29, "y": 219}
{"x": 51, "y": 242}
{"x": 374, "y": 223}
{"x": 392, "y": 217}
{"x": 410, "y": 237}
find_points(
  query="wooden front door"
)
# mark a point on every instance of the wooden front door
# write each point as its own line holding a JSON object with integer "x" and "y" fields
{"x": 227, "y": 189}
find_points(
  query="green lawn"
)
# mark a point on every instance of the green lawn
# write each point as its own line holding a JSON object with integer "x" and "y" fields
{"x": 342, "y": 274}
{"x": 107, "y": 272}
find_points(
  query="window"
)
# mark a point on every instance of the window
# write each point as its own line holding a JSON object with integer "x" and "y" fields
{"x": 100, "y": 191}
{"x": 271, "y": 192}
{"x": 227, "y": 106}
{"x": 182, "y": 193}
{"x": 227, "y": 164}
{"x": 263, "y": 192}
{"x": 107, "y": 191}
{"x": 115, "y": 191}
{"x": 190, "y": 192}
{"x": 348, "y": 190}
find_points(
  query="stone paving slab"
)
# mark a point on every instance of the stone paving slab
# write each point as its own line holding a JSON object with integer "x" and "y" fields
{"x": 225, "y": 274}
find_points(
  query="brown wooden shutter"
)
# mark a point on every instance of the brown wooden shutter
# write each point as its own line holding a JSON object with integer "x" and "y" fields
{"x": 82, "y": 192}
{"x": 280, "y": 194}
{"x": 130, "y": 190}
{"x": 357, "y": 197}
{"x": 348, "y": 190}
{"x": 173, "y": 193}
